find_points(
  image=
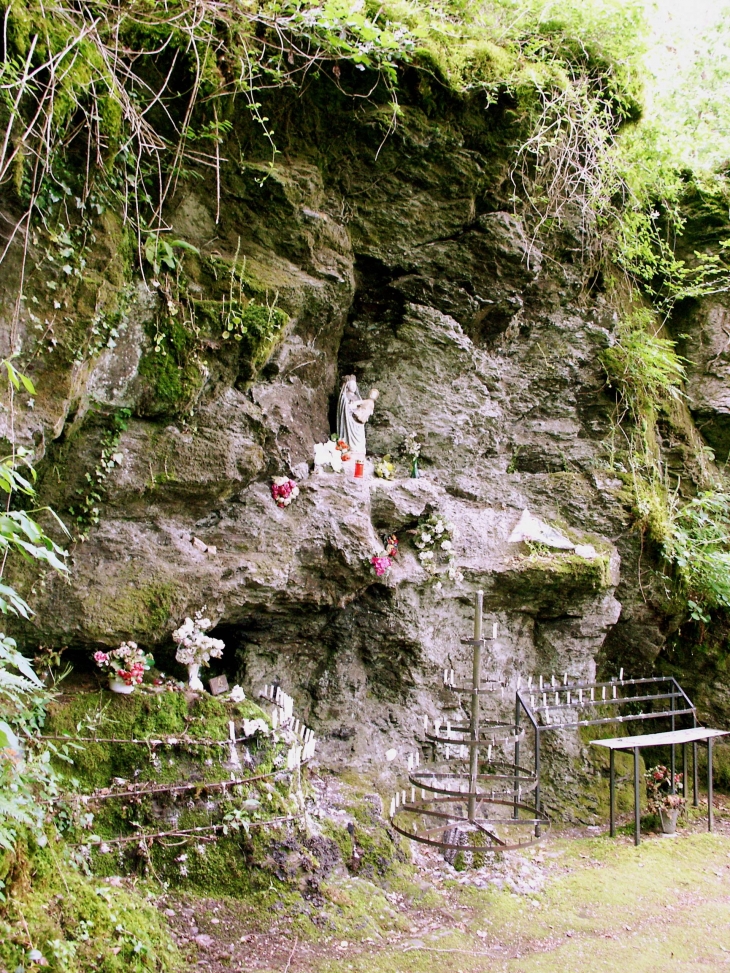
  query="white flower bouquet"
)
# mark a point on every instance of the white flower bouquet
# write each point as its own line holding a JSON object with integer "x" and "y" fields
{"x": 434, "y": 538}
{"x": 194, "y": 647}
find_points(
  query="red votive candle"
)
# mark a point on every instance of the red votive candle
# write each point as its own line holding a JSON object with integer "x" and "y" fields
{"x": 359, "y": 468}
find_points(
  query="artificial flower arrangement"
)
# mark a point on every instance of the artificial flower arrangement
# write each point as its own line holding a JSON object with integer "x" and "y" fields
{"x": 385, "y": 468}
{"x": 195, "y": 648}
{"x": 381, "y": 563}
{"x": 411, "y": 449}
{"x": 658, "y": 789}
{"x": 128, "y": 663}
{"x": 283, "y": 490}
{"x": 434, "y": 538}
{"x": 342, "y": 447}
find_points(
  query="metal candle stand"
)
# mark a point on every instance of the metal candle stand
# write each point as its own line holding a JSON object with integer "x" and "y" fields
{"x": 456, "y": 807}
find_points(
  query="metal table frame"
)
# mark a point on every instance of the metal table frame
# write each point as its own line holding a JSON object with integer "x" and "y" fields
{"x": 580, "y": 701}
{"x": 671, "y": 739}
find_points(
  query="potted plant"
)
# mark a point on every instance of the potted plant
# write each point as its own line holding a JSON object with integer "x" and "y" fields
{"x": 126, "y": 666}
{"x": 195, "y": 648}
{"x": 661, "y": 799}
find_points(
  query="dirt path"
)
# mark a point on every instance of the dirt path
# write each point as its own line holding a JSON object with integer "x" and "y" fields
{"x": 579, "y": 902}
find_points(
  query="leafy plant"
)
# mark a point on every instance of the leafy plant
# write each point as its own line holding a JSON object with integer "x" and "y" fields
{"x": 25, "y": 771}
{"x": 644, "y": 251}
{"x": 642, "y": 366}
{"x": 160, "y": 253}
{"x": 86, "y": 510}
{"x": 698, "y": 544}
{"x": 242, "y": 317}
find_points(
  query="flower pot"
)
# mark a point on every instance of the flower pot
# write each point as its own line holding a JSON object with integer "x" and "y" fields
{"x": 118, "y": 685}
{"x": 194, "y": 681}
{"x": 669, "y": 817}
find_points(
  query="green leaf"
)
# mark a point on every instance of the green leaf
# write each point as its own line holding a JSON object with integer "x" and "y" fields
{"x": 20, "y": 662}
{"x": 10, "y": 601}
{"x": 184, "y": 245}
{"x": 28, "y": 385}
{"x": 10, "y": 739}
{"x": 12, "y": 374}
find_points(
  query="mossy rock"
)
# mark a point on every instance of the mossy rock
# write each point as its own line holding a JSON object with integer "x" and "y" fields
{"x": 145, "y": 716}
{"x": 76, "y": 922}
{"x": 549, "y": 581}
{"x": 172, "y": 370}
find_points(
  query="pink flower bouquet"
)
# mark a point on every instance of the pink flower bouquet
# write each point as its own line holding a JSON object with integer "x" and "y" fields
{"x": 283, "y": 490}
{"x": 128, "y": 662}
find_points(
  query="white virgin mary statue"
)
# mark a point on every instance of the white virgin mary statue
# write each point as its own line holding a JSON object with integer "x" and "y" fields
{"x": 352, "y": 414}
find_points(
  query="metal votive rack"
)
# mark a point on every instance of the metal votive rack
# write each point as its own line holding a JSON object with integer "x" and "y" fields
{"x": 476, "y": 804}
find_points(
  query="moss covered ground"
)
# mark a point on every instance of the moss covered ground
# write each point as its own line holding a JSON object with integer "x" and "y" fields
{"x": 599, "y": 904}
{"x": 60, "y": 919}
{"x": 605, "y": 906}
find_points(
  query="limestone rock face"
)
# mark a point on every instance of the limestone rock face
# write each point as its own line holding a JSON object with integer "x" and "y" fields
{"x": 401, "y": 261}
{"x": 708, "y": 388}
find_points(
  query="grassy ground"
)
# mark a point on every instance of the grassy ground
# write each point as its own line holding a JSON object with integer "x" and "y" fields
{"x": 585, "y": 903}
{"x": 606, "y": 907}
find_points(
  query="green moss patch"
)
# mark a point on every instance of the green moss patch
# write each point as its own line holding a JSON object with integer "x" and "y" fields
{"x": 145, "y": 716}
{"x": 172, "y": 369}
{"x": 73, "y": 924}
{"x": 607, "y": 906}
